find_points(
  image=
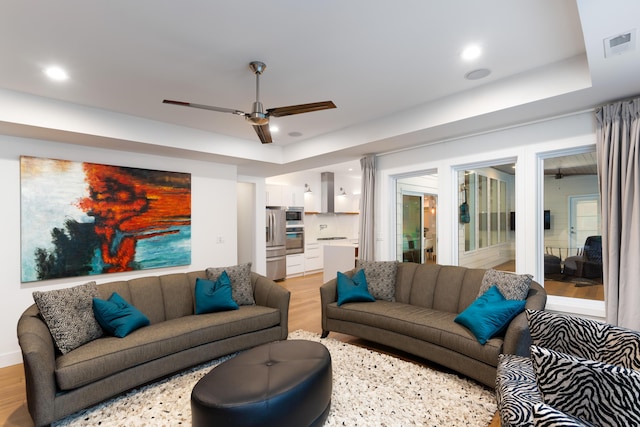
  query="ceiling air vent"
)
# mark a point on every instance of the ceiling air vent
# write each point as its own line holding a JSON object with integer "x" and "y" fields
{"x": 619, "y": 44}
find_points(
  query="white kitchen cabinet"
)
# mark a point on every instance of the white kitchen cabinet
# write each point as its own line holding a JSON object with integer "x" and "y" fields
{"x": 295, "y": 265}
{"x": 284, "y": 195}
{"x": 273, "y": 196}
{"x": 313, "y": 258}
{"x": 312, "y": 202}
{"x": 293, "y": 195}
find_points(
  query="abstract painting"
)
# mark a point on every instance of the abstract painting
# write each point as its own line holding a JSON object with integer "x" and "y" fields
{"x": 80, "y": 219}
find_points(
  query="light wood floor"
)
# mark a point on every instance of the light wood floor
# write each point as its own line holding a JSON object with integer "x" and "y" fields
{"x": 304, "y": 313}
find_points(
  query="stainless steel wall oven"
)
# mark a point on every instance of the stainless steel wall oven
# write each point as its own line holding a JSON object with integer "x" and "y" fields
{"x": 295, "y": 239}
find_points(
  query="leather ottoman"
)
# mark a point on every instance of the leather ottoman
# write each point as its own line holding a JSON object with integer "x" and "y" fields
{"x": 283, "y": 383}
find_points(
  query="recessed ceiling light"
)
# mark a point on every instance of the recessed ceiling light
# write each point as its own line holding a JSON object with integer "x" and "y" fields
{"x": 480, "y": 73}
{"x": 471, "y": 52}
{"x": 295, "y": 134}
{"x": 56, "y": 73}
{"x": 274, "y": 128}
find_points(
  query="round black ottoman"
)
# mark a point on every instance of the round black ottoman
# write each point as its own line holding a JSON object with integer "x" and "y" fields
{"x": 283, "y": 383}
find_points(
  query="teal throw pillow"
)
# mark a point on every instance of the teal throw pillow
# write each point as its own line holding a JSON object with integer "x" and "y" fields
{"x": 489, "y": 314}
{"x": 354, "y": 289}
{"x": 214, "y": 296}
{"x": 117, "y": 317}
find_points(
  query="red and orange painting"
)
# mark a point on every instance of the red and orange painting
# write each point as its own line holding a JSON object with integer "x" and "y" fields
{"x": 82, "y": 219}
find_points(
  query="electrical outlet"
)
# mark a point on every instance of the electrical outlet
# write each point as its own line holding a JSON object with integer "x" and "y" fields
{"x": 219, "y": 239}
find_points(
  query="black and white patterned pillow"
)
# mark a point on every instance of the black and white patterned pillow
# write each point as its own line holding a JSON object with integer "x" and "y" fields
{"x": 547, "y": 416}
{"x": 68, "y": 314}
{"x": 596, "y": 392}
{"x": 381, "y": 278}
{"x": 512, "y": 286}
{"x": 567, "y": 334}
{"x": 621, "y": 348}
{"x": 240, "y": 276}
{"x": 587, "y": 338}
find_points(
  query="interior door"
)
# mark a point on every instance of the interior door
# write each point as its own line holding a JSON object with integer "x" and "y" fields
{"x": 584, "y": 219}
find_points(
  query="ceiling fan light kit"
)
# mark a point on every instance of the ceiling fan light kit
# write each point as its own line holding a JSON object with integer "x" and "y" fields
{"x": 257, "y": 117}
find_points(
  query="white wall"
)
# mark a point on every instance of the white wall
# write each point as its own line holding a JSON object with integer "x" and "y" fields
{"x": 213, "y": 209}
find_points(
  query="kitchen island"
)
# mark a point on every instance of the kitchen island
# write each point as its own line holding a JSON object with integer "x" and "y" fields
{"x": 339, "y": 255}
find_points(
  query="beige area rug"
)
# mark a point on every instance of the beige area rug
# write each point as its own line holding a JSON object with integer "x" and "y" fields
{"x": 369, "y": 389}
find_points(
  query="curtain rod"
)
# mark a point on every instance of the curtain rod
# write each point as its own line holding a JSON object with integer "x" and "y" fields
{"x": 623, "y": 100}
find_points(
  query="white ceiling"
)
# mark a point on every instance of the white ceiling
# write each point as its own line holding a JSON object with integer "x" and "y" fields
{"x": 392, "y": 68}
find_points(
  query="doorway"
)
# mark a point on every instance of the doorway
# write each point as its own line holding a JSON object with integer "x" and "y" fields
{"x": 412, "y": 225}
{"x": 486, "y": 230}
{"x": 416, "y": 213}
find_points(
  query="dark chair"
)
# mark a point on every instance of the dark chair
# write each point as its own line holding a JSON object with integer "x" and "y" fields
{"x": 411, "y": 255}
{"x": 588, "y": 264}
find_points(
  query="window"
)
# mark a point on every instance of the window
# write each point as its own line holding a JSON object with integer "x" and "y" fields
{"x": 572, "y": 249}
{"x": 485, "y": 198}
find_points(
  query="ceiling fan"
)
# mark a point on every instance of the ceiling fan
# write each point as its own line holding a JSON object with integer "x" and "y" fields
{"x": 257, "y": 117}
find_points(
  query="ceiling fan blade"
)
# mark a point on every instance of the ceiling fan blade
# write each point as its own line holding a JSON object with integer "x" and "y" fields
{"x": 263, "y": 133}
{"x": 205, "y": 107}
{"x": 299, "y": 109}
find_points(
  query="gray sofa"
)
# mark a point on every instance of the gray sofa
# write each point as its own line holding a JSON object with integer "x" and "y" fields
{"x": 420, "y": 321}
{"x": 61, "y": 384}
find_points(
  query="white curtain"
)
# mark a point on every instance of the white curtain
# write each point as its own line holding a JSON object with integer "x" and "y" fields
{"x": 366, "y": 242}
{"x": 618, "y": 150}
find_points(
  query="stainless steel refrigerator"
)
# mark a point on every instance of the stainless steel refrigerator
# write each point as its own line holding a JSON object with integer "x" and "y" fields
{"x": 276, "y": 243}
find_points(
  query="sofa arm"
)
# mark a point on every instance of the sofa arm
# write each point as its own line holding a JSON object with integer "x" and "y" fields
{"x": 39, "y": 361}
{"x": 517, "y": 339}
{"x": 268, "y": 293}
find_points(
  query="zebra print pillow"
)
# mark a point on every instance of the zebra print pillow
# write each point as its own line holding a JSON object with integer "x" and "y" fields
{"x": 595, "y": 392}
{"x": 585, "y": 338}
{"x": 547, "y": 416}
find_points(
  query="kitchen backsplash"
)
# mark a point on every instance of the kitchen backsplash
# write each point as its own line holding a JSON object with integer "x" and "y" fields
{"x": 330, "y": 225}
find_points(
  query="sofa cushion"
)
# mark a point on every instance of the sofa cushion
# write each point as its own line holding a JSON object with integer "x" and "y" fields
{"x": 68, "y": 314}
{"x": 108, "y": 355}
{"x": 240, "y": 276}
{"x": 434, "y": 326}
{"x": 213, "y": 296}
{"x": 117, "y": 317}
{"x": 353, "y": 289}
{"x": 596, "y": 392}
{"x": 512, "y": 286}
{"x": 585, "y": 338}
{"x": 548, "y": 416}
{"x": 381, "y": 278}
{"x": 178, "y": 291}
{"x": 489, "y": 314}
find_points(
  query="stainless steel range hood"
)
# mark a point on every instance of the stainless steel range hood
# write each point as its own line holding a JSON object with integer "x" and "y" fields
{"x": 327, "y": 192}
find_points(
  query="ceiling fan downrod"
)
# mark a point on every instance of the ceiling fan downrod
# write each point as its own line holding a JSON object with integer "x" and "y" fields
{"x": 257, "y": 117}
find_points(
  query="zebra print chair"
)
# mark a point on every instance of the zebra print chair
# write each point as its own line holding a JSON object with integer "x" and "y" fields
{"x": 581, "y": 372}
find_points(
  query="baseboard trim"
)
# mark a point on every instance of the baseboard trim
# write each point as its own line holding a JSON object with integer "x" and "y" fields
{"x": 10, "y": 359}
